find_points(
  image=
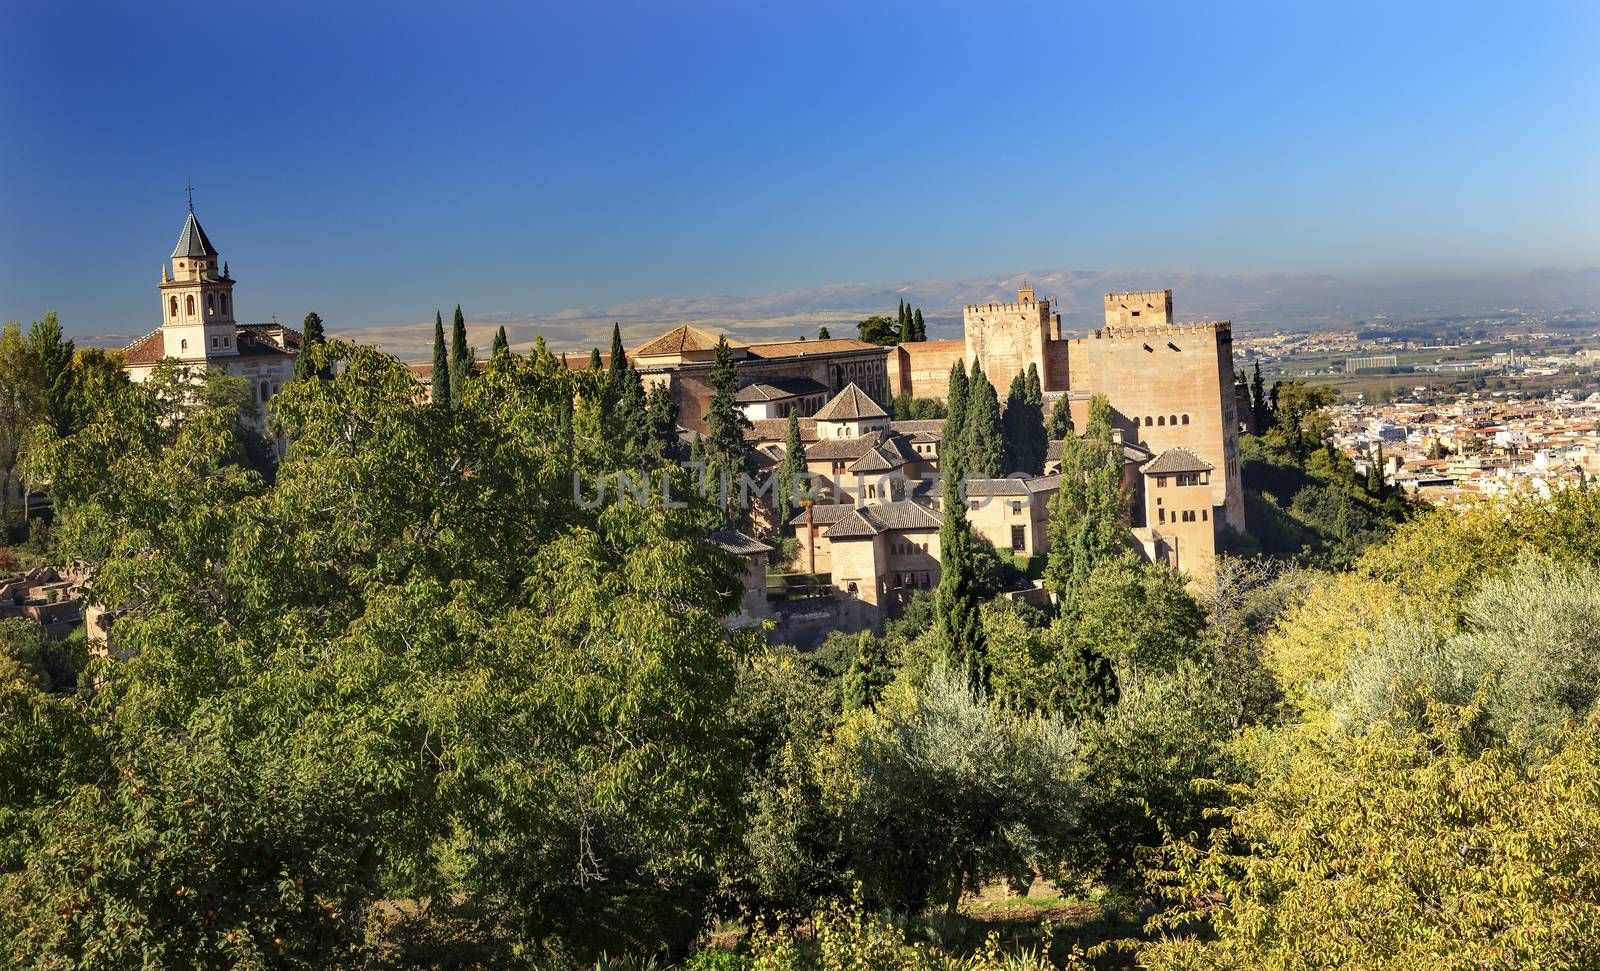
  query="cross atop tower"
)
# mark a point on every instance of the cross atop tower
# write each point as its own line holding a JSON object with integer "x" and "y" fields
{"x": 190, "y": 189}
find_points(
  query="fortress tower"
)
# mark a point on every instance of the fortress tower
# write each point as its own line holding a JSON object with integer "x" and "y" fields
{"x": 1171, "y": 386}
{"x": 1007, "y": 337}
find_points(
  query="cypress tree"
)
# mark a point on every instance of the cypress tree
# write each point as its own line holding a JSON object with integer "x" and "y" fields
{"x": 919, "y": 330}
{"x": 951, "y": 462}
{"x": 595, "y": 367}
{"x": 311, "y": 335}
{"x": 619, "y": 357}
{"x": 790, "y": 471}
{"x": 1024, "y": 426}
{"x": 1258, "y": 403}
{"x": 502, "y": 346}
{"x": 1375, "y": 483}
{"x": 907, "y": 335}
{"x": 460, "y": 358}
{"x": 661, "y": 424}
{"x": 1060, "y": 424}
{"x": 956, "y": 604}
{"x": 1035, "y": 393}
{"x": 633, "y": 423}
{"x": 983, "y": 436}
{"x": 725, "y": 424}
{"x": 440, "y": 380}
{"x": 868, "y": 674}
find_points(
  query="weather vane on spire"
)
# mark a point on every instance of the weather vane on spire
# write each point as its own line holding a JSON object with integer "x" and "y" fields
{"x": 190, "y": 189}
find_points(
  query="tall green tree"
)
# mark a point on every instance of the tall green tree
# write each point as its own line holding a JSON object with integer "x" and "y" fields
{"x": 1025, "y": 439}
{"x": 440, "y": 379}
{"x": 907, "y": 335}
{"x": 311, "y": 336}
{"x": 919, "y": 328}
{"x": 501, "y": 346}
{"x": 50, "y": 355}
{"x": 1060, "y": 424}
{"x": 1375, "y": 480}
{"x": 460, "y": 358}
{"x": 983, "y": 450}
{"x": 1261, "y": 413}
{"x": 959, "y": 624}
{"x": 1088, "y": 511}
{"x": 952, "y": 443}
{"x": 661, "y": 426}
{"x": 726, "y": 453}
{"x": 19, "y": 408}
{"x": 791, "y": 471}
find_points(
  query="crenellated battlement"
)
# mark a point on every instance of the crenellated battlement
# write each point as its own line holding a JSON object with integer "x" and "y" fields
{"x": 1134, "y": 331}
{"x": 990, "y": 308}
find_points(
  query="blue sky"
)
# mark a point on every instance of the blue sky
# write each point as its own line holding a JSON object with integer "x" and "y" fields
{"x": 376, "y": 161}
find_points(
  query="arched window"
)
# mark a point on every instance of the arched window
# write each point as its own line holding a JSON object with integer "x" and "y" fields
{"x": 183, "y": 345}
{"x": 211, "y": 303}
{"x": 265, "y": 388}
{"x": 1161, "y": 419}
{"x": 1147, "y": 421}
{"x": 225, "y": 303}
{"x": 174, "y": 306}
{"x": 188, "y": 305}
{"x": 1186, "y": 419}
{"x": 1174, "y": 420}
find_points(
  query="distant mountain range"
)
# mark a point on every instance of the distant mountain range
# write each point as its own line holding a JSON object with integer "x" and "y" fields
{"x": 1255, "y": 302}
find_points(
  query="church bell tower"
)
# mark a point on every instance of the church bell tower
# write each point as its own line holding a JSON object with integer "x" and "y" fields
{"x": 197, "y": 299}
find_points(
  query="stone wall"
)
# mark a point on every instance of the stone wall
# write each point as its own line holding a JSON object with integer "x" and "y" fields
{"x": 922, "y": 369}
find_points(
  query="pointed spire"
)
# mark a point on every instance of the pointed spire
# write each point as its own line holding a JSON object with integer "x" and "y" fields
{"x": 192, "y": 242}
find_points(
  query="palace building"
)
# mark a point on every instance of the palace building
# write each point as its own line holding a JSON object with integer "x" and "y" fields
{"x": 198, "y": 328}
{"x": 1170, "y": 385}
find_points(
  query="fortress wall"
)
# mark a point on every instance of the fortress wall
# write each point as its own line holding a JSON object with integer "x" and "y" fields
{"x": 922, "y": 369}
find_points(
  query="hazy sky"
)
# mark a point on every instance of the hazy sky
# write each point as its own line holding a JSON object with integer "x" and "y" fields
{"x": 374, "y": 162}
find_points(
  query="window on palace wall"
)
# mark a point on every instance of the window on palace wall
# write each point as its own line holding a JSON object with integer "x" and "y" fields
{"x": 174, "y": 306}
{"x": 188, "y": 305}
{"x": 1186, "y": 419}
{"x": 1161, "y": 419}
{"x": 1174, "y": 420}
{"x": 1019, "y": 539}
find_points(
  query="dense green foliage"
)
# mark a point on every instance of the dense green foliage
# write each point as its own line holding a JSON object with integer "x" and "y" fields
{"x": 398, "y": 672}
